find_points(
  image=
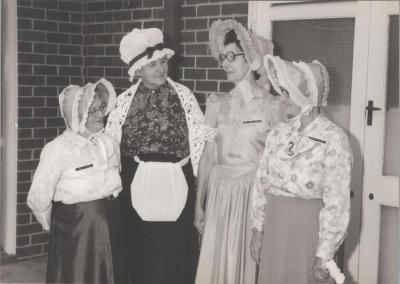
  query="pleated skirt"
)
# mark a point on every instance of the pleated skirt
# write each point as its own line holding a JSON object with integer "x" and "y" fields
{"x": 225, "y": 247}
{"x": 160, "y": 252}
{"x": 290, "y": 241}
{"x": 86, "y": 243}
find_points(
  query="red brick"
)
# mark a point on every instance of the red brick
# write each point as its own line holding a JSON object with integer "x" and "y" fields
{"x": 209, "y": 10}
{"x": 29, "y": 251}
{"x": 57, "y": 80}
{"x": 196, "y": 49}
{"x": 44, "y": 25}
{"x": 21, "y": 197}
{"x": 25, "y": 24}
{"x": 141, "y": 14}
{"x": 76, "y": 39}
{"x": 31, "y": 13}
{"x": 153, "y": 24}
{"x": 188, "y": 11}
{"x": 76, "y": 18}
{"x": 45, "y": 48}
{"x": 23, "y": 177}
{"x": 68, "y": 5}
{"x": 104, "y": 61}
{"x": 69, "y": 28}
{"x": 158, "y": 13}
{"x": 71, "y": 71}
{"x": 57, "y": 15}
{"x": 24, "y": 46}
{"x": 113, "y": 72}
{"x": 103, "y": 39}
{"x": 30, "y": 58}
{"x": 45, "y": 91}
{"x": 76, "y": 60}
{"x": 95, "y": 50}
{"x": 216, "y": 74}
{"x": 25, "y": 154}
{"x": 45, "y": 70}
{"x": 206, "y": 86}
{"x": 31, "y": 36}
{"x": 21, "y": 209}
{"x": 113, "y": 5}
{"x": 153, "y": 3}
{"x": 237, "y": 8}
{"x": 30, "y": 143}
{"x": 122, "y": 15}
{"x": 55, "y": 122}
{"x": 45, "y": 133}
{"x": 24, "y": 69}
{"x": 25, "y": 112}
{"x": 40, "y": 238}
{"x": 27, "y": 165}
{"x": 206, "y": 62}
{"x": 70, "y": 49}
{"x": 57, "y": 37}
{"x": 24, "y": 91}
{"x": 113, "y": 27}
{"x": 22, "y": 240}
{"x": 195, "y": 24}
{"x": 129, "y": 4}
{"x": 188, "y": 36}
{"x": 202, "y": 36}
{"x": 30, "y": 80}
{"x": 57, "y": 59}
{"x": 195, "y": 73}
{"x": 45, "y": 112}
{"x": 187, "y": 62}
{"x": 94, "y": 6}
{"x": 104, "y": 17}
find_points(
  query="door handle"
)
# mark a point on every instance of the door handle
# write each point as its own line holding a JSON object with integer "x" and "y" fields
{"x": 370, "y": 110}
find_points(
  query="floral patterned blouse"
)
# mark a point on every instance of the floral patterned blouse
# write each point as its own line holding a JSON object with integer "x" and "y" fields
{"x": 155, "y": 123}
{"x": 314, "y": 164}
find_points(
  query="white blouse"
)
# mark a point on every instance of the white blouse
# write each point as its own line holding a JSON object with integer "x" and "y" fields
{"x": 73, "y": 169}
{"x": 314, "y": 164}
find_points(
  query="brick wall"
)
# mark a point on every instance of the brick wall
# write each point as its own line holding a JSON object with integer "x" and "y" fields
{"x": 62, "y": 42}
{"x": 49, "y": 58}
{"x": 199, "y": 70}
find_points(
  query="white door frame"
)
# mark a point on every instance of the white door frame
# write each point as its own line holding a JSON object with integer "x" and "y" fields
{"x": 385, "y": 189}
{"x": 9, "y": 91}
{"x": 261, "y": 16}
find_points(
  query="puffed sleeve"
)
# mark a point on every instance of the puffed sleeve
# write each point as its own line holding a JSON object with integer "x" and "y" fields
{"x": 335, "y": 215}
{"x": 43, "y": 185}
{"x": 210, "y": 122}
{"x": 262, "y": 186}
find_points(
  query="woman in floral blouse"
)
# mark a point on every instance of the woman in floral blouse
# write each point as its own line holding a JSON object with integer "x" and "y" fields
{"x": 157, "y": 122}
{"x": 301, "y": 199}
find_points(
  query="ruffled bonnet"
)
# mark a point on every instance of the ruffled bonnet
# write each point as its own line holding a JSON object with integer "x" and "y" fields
{"x": 306, "y": 83}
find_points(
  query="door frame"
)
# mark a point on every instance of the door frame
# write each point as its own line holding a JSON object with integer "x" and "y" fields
{"x": 9, "y": 143}
{"x": 374, "y": 181}
{"x": 261, "y": 16}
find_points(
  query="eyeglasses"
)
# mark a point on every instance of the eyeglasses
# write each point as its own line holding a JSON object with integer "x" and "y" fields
{"x": 230, "y": 56}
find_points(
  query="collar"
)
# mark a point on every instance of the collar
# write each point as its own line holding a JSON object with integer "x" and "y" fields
{"x": 80, "y": 140}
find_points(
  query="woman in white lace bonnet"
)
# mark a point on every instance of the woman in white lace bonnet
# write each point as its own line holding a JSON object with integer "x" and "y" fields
{"x": 301, "y": 199}
{"x": 74, "y": 192}
{"x": 236, "y": 125}
{"x": 157, "y": 122}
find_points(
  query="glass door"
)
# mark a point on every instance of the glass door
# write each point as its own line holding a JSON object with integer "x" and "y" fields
{"x": 337, "y": 34}
{"x": 379, "y": 232}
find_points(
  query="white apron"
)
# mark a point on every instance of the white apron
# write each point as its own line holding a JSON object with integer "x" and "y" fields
{"x": 159, "y": 190}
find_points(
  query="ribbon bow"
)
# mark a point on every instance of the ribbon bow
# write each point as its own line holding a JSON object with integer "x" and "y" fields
{"x": 149, "y": 52}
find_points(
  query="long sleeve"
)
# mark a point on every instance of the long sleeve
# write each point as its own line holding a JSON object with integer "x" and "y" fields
{"x": 43, "y": 185}
{"x": 334, "y": 216}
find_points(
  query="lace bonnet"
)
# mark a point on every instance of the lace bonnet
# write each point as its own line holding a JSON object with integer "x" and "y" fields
{"x": 69, "y": 100}
{"x": 306, "y": 83}
{"x": 254, "y": 46}
{"x": 142, "y": 46}
{"x": 88, "y": 97}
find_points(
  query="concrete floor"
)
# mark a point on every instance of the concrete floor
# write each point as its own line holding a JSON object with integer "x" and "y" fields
{"x": 28, "y": 271}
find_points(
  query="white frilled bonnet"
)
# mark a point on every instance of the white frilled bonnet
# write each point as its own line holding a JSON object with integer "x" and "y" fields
{"x": 254, "y": 47}
{"x": 306, "y": 83}
{"x": 102, "y": 87}
{"x": 75, "y": 102}
{"x": 142, "y": 46}
{"x": 69, "y": 101}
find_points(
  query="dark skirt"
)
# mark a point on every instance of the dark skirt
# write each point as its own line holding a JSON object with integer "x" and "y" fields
{"x": 160, "y": 252}
{"x": 290, "y": 241}
{"x": 86, "y": 243}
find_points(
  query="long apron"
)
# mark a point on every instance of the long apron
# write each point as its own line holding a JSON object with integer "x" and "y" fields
{"x": 160, "y": 252}
{"x": 86, "y": 243}
{"x": 290, "y": 241}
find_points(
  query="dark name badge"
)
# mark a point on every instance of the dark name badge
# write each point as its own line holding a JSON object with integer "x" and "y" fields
{"x": 252, "y": 121}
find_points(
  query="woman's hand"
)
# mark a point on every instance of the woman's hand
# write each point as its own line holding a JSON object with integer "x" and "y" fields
{"x": 321, "y": 272}
{"x": 199, "y": 219}
{"x": 256, "y": 244}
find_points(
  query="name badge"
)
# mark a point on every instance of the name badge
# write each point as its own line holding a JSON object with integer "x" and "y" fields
{"x": 252, "y": 121}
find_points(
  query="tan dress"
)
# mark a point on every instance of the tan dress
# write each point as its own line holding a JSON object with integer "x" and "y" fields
{"x": 241, "y": 131}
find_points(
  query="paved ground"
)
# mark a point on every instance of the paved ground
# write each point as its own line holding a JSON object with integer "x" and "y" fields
{"x": 29, "y": 271}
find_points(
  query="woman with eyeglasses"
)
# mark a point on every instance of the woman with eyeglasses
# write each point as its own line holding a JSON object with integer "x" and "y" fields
{"x": 235, "y": 128}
